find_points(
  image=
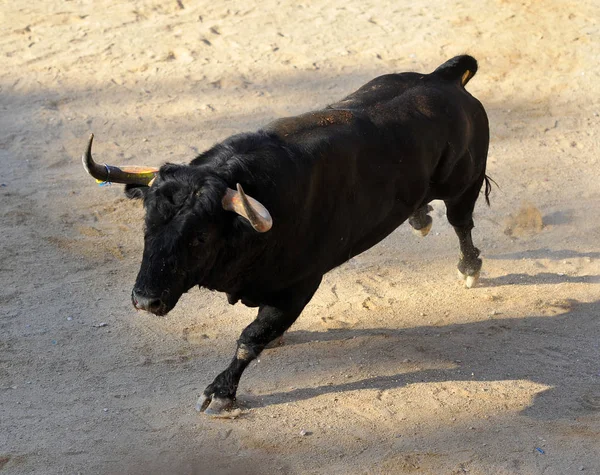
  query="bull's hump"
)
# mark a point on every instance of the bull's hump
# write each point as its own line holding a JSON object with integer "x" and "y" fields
{"x": 290, "y": 126}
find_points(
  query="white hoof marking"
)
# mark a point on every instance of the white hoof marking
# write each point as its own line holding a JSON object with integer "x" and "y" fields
{"x": 423, "y": 231}
{"x": 471, "y": 281}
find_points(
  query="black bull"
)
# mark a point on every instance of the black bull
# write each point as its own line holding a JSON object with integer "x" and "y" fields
{"x": 332, "y": 183}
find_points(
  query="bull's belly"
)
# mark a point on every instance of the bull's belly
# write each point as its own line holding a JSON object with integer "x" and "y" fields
{"x": 313, "y": 262}
{"x": 370, "y": 239}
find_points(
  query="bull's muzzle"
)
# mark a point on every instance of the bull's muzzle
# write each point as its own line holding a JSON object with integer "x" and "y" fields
{"x": 149, "y": 304}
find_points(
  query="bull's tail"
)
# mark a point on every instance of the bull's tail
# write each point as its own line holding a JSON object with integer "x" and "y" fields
{"x": 488, "y": 188}
{"x": 461, "y": 68}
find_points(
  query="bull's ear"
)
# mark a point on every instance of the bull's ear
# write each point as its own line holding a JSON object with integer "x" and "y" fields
{"x": 136, "y": 192}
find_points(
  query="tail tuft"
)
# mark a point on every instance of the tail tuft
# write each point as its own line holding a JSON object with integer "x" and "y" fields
{"x": 488, "y": 188}
{"x": 460, "y": 67}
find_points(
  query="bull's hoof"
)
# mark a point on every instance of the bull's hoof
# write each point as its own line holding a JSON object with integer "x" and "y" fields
{"x": 214, "y": 406}
{"x": 470, "y": 280}
{"x": 424, "y": 231}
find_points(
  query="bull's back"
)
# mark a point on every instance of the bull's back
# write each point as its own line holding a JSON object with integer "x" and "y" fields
{"x": 379, "y": 91}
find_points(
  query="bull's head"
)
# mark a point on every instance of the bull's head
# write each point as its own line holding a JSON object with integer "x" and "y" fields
{"x": 188, "y": 213}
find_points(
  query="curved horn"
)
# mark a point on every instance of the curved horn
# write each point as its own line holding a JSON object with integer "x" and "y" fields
{"x": 249, "y": 208}
{"x": 108, "y": 173}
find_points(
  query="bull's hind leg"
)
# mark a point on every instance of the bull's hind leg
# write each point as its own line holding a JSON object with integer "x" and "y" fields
{"x": 469, "y": 264}
{"x": 272, "y": 321}
{"x": 421, "y": 221}
{"x": 460, "y": 215}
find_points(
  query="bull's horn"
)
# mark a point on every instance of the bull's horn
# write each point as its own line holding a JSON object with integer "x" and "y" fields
{"x": 249, "y": 208}
{"x": 131, "y": 175}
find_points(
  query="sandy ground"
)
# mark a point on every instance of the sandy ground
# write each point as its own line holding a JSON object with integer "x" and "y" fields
{"x": 394, "y": 367}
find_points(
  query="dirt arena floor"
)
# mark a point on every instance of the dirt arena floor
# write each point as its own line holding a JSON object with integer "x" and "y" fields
{"x": 394, "y": 368}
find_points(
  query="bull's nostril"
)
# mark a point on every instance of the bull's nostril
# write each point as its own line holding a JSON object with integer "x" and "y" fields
{"x": 149, "y": 304}
{"x": 153, "y": 304}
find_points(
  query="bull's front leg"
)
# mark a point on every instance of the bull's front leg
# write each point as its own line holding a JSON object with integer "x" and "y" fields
{"x": 271, "y": 322}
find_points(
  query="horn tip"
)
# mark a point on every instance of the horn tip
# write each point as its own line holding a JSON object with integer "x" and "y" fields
{"x": 89, "y": 145}
{"x": 86, "y": 158}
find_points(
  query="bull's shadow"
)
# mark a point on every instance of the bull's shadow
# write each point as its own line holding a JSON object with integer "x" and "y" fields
{"x": 562, "y": 352}
{"x": 543, "y": 253}
{"x": 541, "y": 278}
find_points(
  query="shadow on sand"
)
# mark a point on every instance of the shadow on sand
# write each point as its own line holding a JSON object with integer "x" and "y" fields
{"x": 562, "y": 352}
